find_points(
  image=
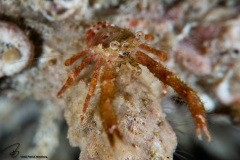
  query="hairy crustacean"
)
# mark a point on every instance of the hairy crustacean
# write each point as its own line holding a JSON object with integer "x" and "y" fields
{"x": 110, "y": 46}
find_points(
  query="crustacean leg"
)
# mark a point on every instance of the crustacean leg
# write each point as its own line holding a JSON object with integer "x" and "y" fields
{"x": 73, "y": 76}
{"x": 180, "y": 87}
{"x": 71, "y": 60}
{"x": 161, "y": 55}
{"x": 107, "y": 112}
{"x": 93, "y": 84}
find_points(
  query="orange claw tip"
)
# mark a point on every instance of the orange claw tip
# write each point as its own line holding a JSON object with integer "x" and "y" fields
{"x": 82, "y": 118}
{"x": 205, "y": 130}
{"x": 59, "y": 95}
{"x": 67, "y": 62}
{"x": 207, "y": 134}
{"x": 198, "y": 131}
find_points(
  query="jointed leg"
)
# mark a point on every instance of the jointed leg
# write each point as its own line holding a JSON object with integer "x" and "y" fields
{"x": 162, "y": 55}
{"x": 92, "y": 85}
{"x": 180, "y": 87}
{"x": 107, "y": 112}
{"x": 71, "y": 60}
{"x": 73, "y": 76}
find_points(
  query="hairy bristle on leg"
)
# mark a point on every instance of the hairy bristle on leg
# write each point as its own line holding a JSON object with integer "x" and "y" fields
{"x": 107, "y": 111}
{"x": 73, "y": 76}
{"x": 161, "y": 55}
{"x": 93, "y": 84}
{"x": 71, "y": 60}
{"x": 167, "y": 77}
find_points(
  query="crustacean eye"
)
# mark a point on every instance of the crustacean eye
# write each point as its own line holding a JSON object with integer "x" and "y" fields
{"x": 126, "y": 54}
{"x": 139, "y": 35}
{"x": 125, "y": 47}
{"x": 114, "y": 45}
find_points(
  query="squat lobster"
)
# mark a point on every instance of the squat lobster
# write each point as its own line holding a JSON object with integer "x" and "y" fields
{"x": 110, "y": 46}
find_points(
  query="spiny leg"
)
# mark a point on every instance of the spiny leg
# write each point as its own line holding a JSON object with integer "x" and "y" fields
{"x": 162, "y": 55}
{"x": 73, "y": 76}
{"x": 107, "y": 112}
{"x": 181, "y": 88}
{"x": 93, "y": 84}
{"x": 75, "y": 57}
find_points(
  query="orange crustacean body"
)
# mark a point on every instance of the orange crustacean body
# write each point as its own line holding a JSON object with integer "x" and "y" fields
{"x": 110, "y": 46}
